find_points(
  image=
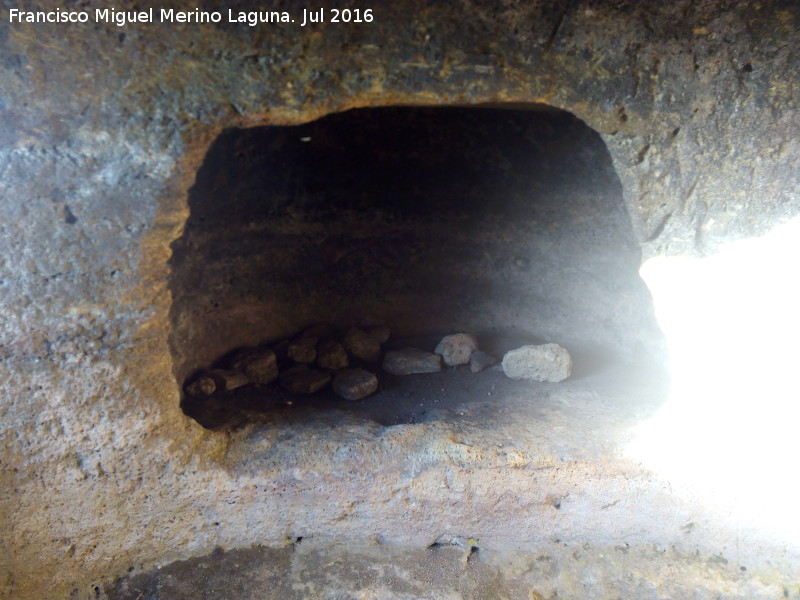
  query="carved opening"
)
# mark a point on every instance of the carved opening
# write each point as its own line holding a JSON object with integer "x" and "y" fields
{"x": 507, "y": 223}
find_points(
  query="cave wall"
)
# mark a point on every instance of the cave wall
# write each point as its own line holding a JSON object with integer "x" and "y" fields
{"x": 104, "y": 128}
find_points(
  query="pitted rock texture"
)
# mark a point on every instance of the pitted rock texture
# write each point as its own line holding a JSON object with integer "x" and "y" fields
{"x": 332, "y": 355}
{"x": 228, "y": 380}
{"x": 443, "y": 571}
{"x": 362, "y": 345}
{"x": 303, "y": 350}
{"x": 355, "y": 384}
{"x": 104, "y": 130}
{"x": 546, "y": 362}
{"x": 456, "y": 349}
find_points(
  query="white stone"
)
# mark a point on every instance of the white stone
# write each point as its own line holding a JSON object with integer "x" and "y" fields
{"x": 456, "y": 349}
{"x": 548, "y": 362}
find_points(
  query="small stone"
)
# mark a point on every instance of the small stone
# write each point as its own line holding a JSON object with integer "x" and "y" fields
{"x": 362, "y": 345}
{"x": 480, "y": 361}
{"x": 457, "y": 348}
{"x": 332, "y": 355}
{"x": 202, "y": 386}
{"x": 303, "y": 350}
{"x": 411, "y": 360}
{"x": 548, "y": 362}
{"x": 227, "y": 379}
{"x": 260, "y": 365}
{"x": 303, "y": 380}
{"x": 321, "y": 331}
{"x": 355, "y": 384}
{"x": 379, "y": 332}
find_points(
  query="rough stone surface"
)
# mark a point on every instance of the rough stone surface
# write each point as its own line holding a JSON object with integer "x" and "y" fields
{"x": 304, "y": 380}
{"x": 479, "y": 361}
{"x": 355, "y": 384}
{"x": 260, "y": 365}
{"x": 104, "y": 131}
{"x": 457, "y": 348}
{"x": 382, "y": 333}
{"x": 332, "y": 355}
{"x": 228, "y": 379}
{"x": 547, "y": 362}
{"x": 307, "y": 569}
{"x": 411, "y": 360}
{"x": 362, "y": 345}
{"x": 303, "y": 350}
{"x": 204, "y": 385}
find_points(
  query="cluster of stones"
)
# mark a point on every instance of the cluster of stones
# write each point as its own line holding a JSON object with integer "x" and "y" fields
{"x": 546, "y": 362}
{"x": 305, "y": 364}
{"x": 316, "y": 358}
{"x": 453, "y": 351}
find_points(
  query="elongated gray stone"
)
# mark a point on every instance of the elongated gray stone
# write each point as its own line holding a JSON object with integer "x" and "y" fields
{"x": 260, "y": 365}
{"x": 411, "y": 360}
{"x": 355, "y": 384}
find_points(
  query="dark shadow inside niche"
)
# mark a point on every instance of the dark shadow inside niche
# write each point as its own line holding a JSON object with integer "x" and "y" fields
{"x": 507, "y": 223}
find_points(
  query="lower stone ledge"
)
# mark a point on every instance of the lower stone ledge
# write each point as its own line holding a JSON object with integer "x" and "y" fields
{"x": 463, "y": 568}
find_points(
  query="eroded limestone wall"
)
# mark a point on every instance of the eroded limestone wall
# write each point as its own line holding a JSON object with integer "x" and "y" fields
{"x": 103, "y": 129}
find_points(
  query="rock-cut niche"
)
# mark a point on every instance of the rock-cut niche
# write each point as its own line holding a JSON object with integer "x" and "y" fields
{"x": 504, "y": 222}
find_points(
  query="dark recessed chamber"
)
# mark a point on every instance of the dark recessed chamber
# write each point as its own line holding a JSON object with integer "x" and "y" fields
{"x": 506, "y": 223}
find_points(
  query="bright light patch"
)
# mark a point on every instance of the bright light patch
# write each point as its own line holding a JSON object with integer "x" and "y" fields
{"x": 731, "y": 427}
